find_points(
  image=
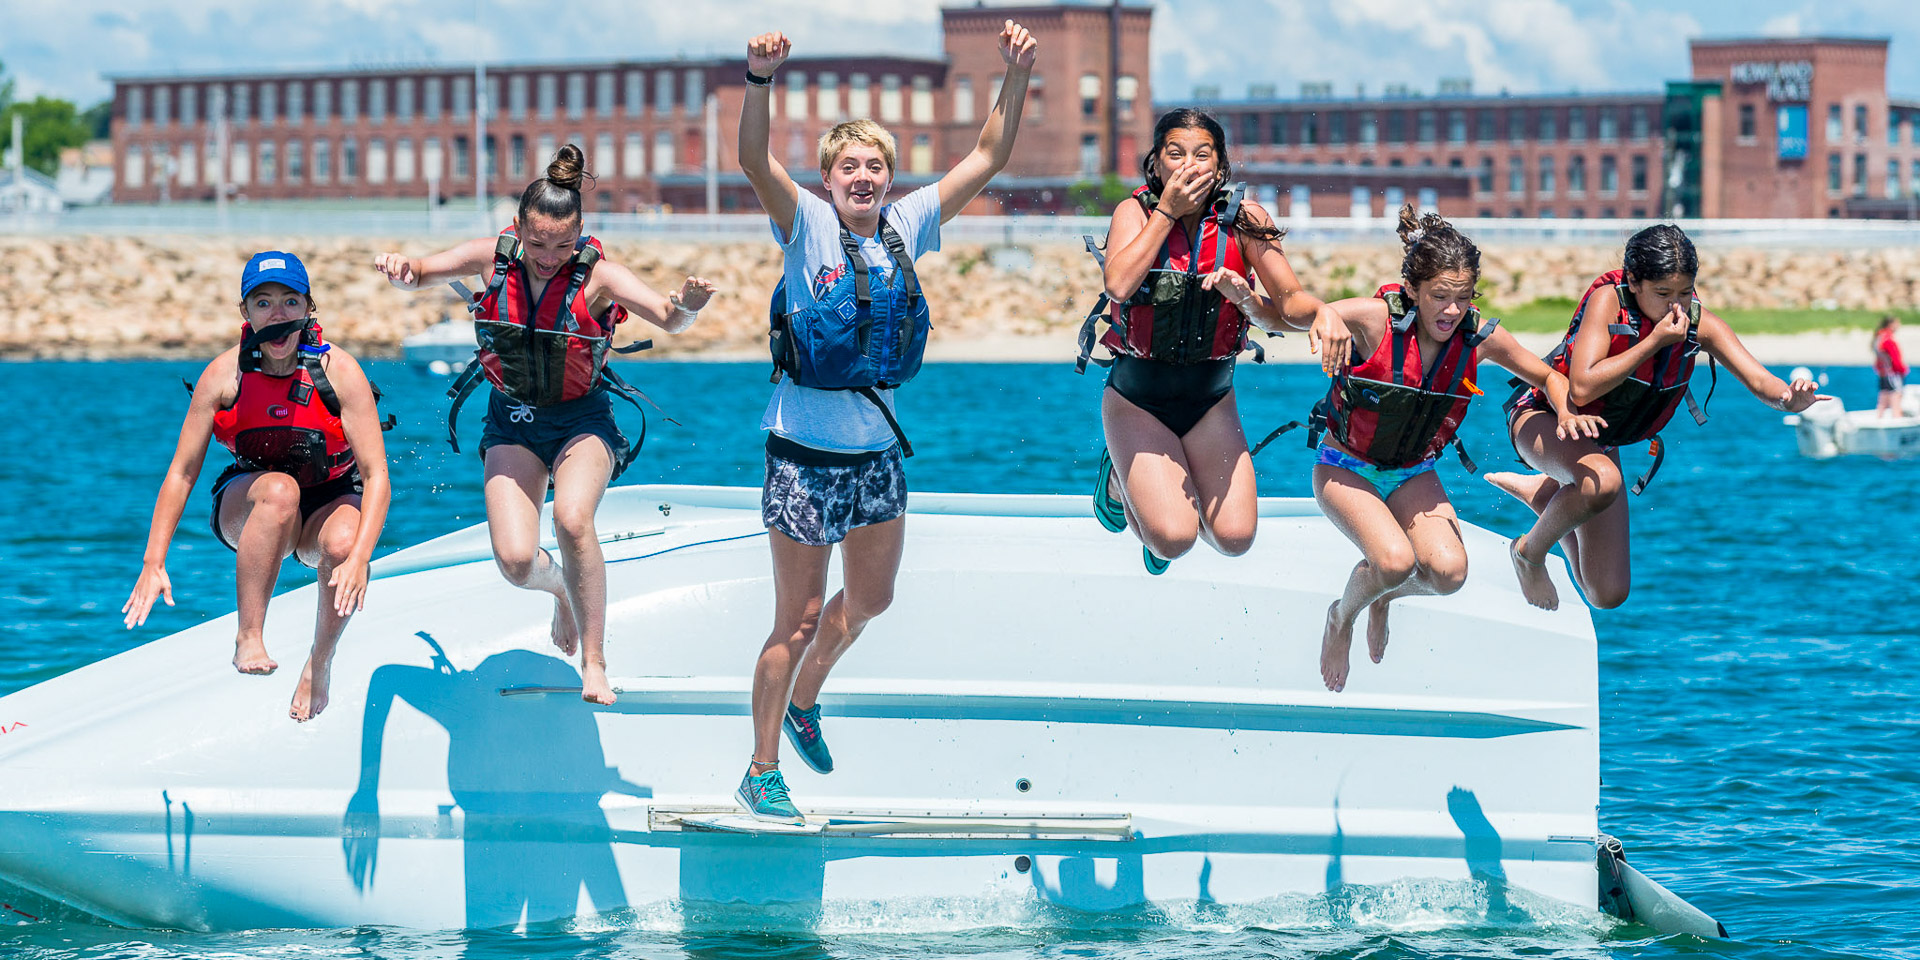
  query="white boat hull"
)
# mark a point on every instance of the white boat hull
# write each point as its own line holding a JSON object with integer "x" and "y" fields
{"x": 1828, "y": 429}
{"x": 1035, "y": 722}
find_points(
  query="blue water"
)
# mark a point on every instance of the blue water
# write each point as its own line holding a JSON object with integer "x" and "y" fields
{"x": 1760, "y": 692}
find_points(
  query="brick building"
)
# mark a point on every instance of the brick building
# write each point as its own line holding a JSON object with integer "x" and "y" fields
{"x": 644, "y": 124}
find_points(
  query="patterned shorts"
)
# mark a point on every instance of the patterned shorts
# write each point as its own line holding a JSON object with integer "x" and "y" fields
{"x": 815, "y": 496}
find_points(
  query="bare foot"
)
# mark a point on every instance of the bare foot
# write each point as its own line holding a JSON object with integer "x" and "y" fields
{"x": 1377, "y": 630}
{"x": 1535, "y": 585}
{"x": 1532, "y": 489}
{"x": 310, "y": 697}
{"x": 1334, "y": 647}
{"x": 566, "y": 635}
{"x": 250, "y": 657}
{"x": 594, "y": 687}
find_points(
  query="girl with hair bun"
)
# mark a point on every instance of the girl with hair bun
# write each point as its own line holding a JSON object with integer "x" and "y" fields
{"x": 1416, "y": 348}
{"x": 1631, "y": 366}
{"x": 545, "y": 321}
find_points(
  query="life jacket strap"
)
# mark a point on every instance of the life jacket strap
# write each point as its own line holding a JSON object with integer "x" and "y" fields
{"x": 462, "y": 387}
{"x": 1658, "y": 448}
{"x": 906, "y": 448}
{"x": 619, "y": 387}
{"x": 1465, "y": 460}
{"x": 1277, "y": 433}
{"x": 1088, "y": 338}
{"x": 634, "y": 347}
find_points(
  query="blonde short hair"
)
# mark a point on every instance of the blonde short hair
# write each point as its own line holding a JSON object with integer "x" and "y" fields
{"x": 856, "y": 132}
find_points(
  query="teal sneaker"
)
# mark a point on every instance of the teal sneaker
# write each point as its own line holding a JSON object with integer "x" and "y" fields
{"x": 1110, "y": 512}
{"x": 803, "y": 731}
{"x": 765, "y": 797}
{"x": 1155, "y": 565}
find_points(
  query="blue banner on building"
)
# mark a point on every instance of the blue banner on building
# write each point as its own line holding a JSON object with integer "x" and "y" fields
{"x": 1793, "y": 131}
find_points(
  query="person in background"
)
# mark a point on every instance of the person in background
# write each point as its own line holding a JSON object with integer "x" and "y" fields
{"x": 1888, "y": 367}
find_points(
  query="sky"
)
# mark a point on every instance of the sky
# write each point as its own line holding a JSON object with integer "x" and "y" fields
{"x": 66, "y": 49}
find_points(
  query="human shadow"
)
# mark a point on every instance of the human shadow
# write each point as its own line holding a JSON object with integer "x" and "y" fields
{"x": 1483, "y": 849}
{"x": 1097, "y": 884}
{"x": 527, "y": 778}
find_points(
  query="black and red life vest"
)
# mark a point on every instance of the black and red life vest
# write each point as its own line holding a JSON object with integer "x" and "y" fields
{"x": 287, "y": 424}
{"x": 1640, "y": 406}
{"x": 1170, "y": 318}
{"x": 1390, "y": 412}
{"x": 546, "y": 352}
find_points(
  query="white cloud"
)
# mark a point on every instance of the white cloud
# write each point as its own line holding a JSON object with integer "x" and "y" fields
{"x": 1784, "y": 25}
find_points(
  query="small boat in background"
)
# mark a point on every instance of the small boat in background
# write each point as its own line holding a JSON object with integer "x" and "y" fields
{"x": 442, "y": 349}
{"x": 1828, "y": 429}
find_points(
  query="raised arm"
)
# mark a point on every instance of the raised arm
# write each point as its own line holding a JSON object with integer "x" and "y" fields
{"x": 1136, "y": 235}
{"x": 1366, "y": 320}
{"x": 218, "y": 384}
{"x": 1506, "y": 350}
{"x": 1720, "y": 341}
{"x": 1593, "y": 373}
{"x": 361, "y": 422}
{"x": 1290, "y": 304}
{"x": 670, "y": 313}
{"x": 971, "y": 175}
{"x": 779, "y": 195}
{"x": 474, "y": 257}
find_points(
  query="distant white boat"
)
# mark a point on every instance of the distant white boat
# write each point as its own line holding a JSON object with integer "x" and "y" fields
{"x": 1035, "y": 723}
{"x": 1828, "y": 429}
{"x": 444, "y": 348}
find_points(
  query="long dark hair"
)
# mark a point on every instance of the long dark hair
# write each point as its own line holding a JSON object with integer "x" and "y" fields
{"x": 557, "y": 194}
{"x": 1661, "y": 250}
{"x": 1187, "y": 118}
{"x": 1433, "y": 247}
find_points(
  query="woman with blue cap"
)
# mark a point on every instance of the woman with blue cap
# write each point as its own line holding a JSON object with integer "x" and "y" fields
{"x": 309, "y": 476}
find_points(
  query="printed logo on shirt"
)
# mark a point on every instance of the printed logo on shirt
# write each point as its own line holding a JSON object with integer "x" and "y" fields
{"x": 827, "y": 277}
{"x": 279, "y": 412}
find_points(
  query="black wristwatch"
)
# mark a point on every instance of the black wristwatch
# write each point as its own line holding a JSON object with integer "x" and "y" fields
{"x": 759, "y": 81}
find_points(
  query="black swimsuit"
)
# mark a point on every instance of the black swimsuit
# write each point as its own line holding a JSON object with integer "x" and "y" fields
{"x": 1178, "y": 395}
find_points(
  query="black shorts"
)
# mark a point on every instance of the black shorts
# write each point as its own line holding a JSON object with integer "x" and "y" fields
{"x": 312, "y": 499}
{"x": 546, "y": 430}
{"x": 1892, "y": 381}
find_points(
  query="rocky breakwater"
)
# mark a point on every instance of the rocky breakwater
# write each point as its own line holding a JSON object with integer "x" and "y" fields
{"x": 99, "y": 296}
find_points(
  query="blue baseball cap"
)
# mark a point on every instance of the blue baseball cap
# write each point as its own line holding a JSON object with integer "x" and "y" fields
{"x": 274, "y": 266}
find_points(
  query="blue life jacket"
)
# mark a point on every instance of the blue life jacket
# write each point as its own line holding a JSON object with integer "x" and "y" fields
{"x": 854, "y": 336}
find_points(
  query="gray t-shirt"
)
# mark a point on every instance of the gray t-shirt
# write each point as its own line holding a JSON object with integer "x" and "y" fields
{"x": 841, "y": 420}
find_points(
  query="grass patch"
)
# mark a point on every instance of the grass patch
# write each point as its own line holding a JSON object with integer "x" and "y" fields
{"x": 1551, "y": 314}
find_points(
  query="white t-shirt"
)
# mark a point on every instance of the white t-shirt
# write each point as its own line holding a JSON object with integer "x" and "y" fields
{"x": 841, "y": 421}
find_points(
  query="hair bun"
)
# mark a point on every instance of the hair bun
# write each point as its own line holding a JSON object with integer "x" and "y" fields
{"x": 568, "y": 169}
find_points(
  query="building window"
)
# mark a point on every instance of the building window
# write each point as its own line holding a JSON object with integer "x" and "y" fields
{"x": 1860, "y": 123}
{"x": 1637, "y": 118}
{"x": 403, "y": 160}
{"x": 349, "y": 101}
{"x": 1089, "y": 154}
{"x": 543, "y": 152}
{"x": 296, "y": 103}
{"x": 296, "y": 161}
{"x": 322, "y": 109}
{"x": 436, "y": 98}
{"x": 663, "y": 93}
{"x": 1893, "y": 179}
{"x": 1638, "y": 183}
{"x": 604, "y": 159}
{"x": 890, "y": 105}
{"x": 549, "y": 96}
{"x": 1483, "y": 123}
{"x": 240, "y": 109}
{"x": 517, "y": 97}
{"x": 1576, "y": 124}
{"x": 1516, "y": 176}
{"x": 1394, "y": 198}
{"x": 433, "y": 161}
{"x": 796, "y": 97}
{"x": 322, "y": 160}
{"x": 1893, "y": 127}
{"x": 921, "y": 159}
{"x": 517, "y": 156}
{"x": 1369, "y": 128}
{"x": 238, "y": 163}
{"x": 1834, "y": 131}
{"x": 696, "y": 89}
{"x": 663, "y": 153}
{"x": 1126, "y": 92}
{"x": 1833, "y": 173}
{"x": 1310, "y": 130}
{"x": 1516, "y": 125}
{"x": 921, "y": 107}
{"x": 1748, "y": 129}
{"x": 1576, "y": 176}
{"x": 376, "y": 161}
{"x": 268, "y": 103}
{"x": 1337, "y": 128}
{"x": 633, "y": 157}
{"x": 1609, "y": 175}
{"x": 1429, "y": 200}
{"x": 1609, "y": 125}
{"x": 376, "y": 101}
{"x": 1859, "y": 174}
{"x": 462, "y": 157}
{"x": 636, "y": 93}
{"x": 860, "y": 98}
{"x": 1427, "y": 122}
{"x": 491, "y": 152}
{"x": 1456, "y": 126}
{"x": 403, "y": 91}
{"x": 827, "y": 97}
{"x": 1359, "y": 203}
{"x": 1396, "y": 126}
{"x": 349, "y": 160}
{"x": 1484, "y": 182}
{"x": 1913, "y": 179}
{"x": 1549, "y": 125}
{"x": 1249, "y": 127}
{"x": 1546, "y": 213}
{"x": 162, "y": 102}
{"x": 603, "y": 94}
{"x": 268, "y": 168}
{"x": 576, "y": 95}
{"x": 136, "y": 107}
{"x": 1089, "y": 94}
{"x": 1277, "y": 130}
{"x": 962, "y": 96}
{"x": 1547, "y": 185}
{"x": 189, "y": 103}
{"x": 133, "y": 170}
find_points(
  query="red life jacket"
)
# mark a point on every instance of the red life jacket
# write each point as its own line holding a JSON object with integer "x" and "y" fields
{"x": 1389, "y": 412}
{"x": 547, "y": 352}
{"x": 1170, "y": 318}
{"x": 288, "y": 424}
{"x": 1640, "y": 406}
